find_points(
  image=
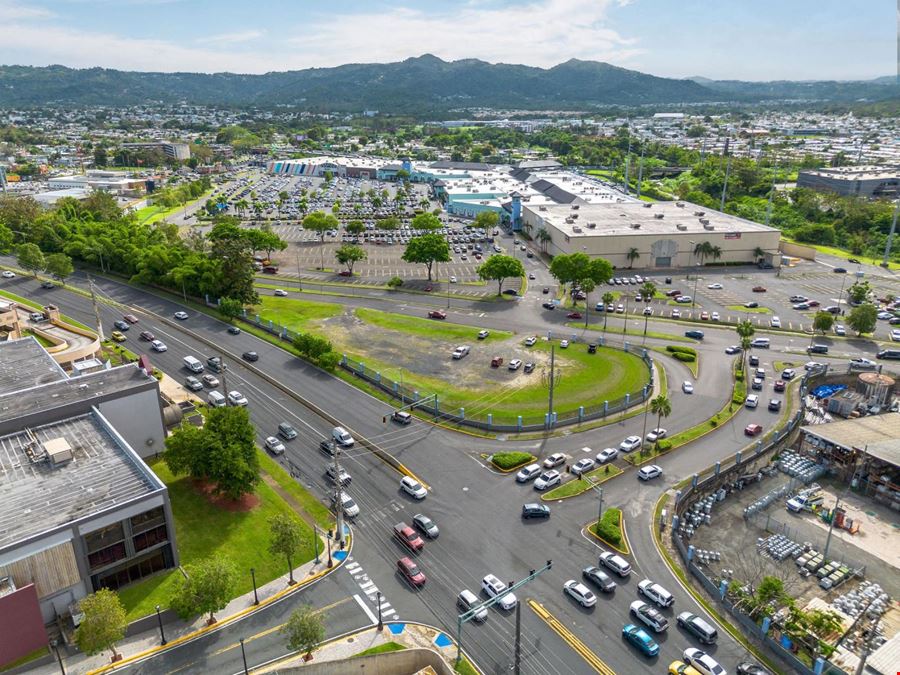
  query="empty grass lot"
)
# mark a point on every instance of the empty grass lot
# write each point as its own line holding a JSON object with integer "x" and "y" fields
{"x": 203, "y": 530}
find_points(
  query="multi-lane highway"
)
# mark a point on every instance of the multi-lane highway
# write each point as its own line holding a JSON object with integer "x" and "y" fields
{"x": 477, "y": 509}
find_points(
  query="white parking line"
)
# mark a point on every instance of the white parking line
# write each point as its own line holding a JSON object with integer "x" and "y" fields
{"x": 365, "y": 608}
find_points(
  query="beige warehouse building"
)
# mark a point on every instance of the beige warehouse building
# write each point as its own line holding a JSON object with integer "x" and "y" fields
{"x": 664, "y": 234}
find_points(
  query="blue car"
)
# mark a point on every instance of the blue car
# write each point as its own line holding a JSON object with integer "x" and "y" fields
{"x": 640, "y": 639}
{"x": 696, "y": 334}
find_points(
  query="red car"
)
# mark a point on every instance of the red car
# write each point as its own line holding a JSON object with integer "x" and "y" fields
{"x": 496, "y": 362}
{"x": 428, "y": 288}
{"x": 148, "y": 336}
{"x": 411, "y": 572}
{"x": 759, "y": 289}
{"x": 574, "y": 315}
{"x": 130, "y": 318}
{"x": 270, "y": 269}
{"x": 704, "y": 316}
{"x": 437, "y": 314}
{"x": 408, "y": 537}
{"x": 813, "y": 303}
{"x": 673, "y": 293}
{"x": 779, "y": 385}
{"x": 344, "y": 273}
{"x": 752, "y": 429}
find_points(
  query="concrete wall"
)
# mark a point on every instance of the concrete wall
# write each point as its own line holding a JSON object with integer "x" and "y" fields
{"x": 797, "y": 250}
{"x": 404, "y": 662}
{"x": 21, "y": 625}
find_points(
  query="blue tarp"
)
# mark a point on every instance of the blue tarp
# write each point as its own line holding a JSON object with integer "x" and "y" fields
{"x": 827, "y": 390}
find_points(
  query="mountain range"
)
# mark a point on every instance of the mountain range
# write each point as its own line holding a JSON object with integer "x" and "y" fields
{"x": 422, "y": 84}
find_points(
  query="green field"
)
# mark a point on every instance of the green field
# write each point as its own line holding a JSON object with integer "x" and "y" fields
{"x": 403, "y": 348}
{"x": 203, "y": 530}
{"x": 842, "y": 253}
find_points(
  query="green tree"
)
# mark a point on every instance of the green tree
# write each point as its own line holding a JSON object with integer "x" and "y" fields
{"x": 6, "y": 239}
{"x": 648, "y": 290}
{"x": 389, "y": 223}
{"x": 862, "y": 319}
{"x": 745, "y": 330}
{"x": 823, "y": 321}
{"x": 312, "y": 346}
{"x": 577, "y": 269}
{"x": 304, "y": 630}
{"x": 320, "y": 222}
{"x": 632, "y": 255}
{"x": 427, "y": 249}
{"x": 500, "y": 267}
{"x": 355, "y": 227}
{"x": 59, "y": 266}
{"x": 426, "y": 221}
{"x": 231, "y": 250}
{"x": 31, "y": 258}
{"x": 607, "y": 299}
{"x": 223, "y": 452}
{"x": 103, "y": 624}
{"x": 660, "y": 406}
{"x": 231, "y": 308}
{"x": 394, "y": 282}
{"x": 858, "y": 292}
{"x": 487, "y": 221}
{"x": 286, "y": 539}
{"x": 544, "y": 238}
{"x": 208, "y": 587}
{"x": 349, "y": 255}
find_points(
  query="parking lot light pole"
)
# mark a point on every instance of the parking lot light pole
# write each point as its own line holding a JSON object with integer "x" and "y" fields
{"x": 162, "y": 633}
{"x": 244, "y": 658}
{"x": 696, "y": 279}
{"x": 253, "y": 577}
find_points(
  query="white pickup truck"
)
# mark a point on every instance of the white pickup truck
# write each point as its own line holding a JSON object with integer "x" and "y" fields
{"x": 805, "y": 502}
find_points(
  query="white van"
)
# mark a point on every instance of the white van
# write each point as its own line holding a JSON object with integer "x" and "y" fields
{"x": 342, "y": 437}
{"x": 216, "y": 399}
{"x": 193, "y": 364}
{"x": 760, "y": 343}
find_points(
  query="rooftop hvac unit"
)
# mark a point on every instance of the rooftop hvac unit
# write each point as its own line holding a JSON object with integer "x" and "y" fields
{"x": 635, "y": 226}
{"x": 575, "y": 207}
{"x": 704, "y": 221}
{"x": 682, "y": 227}
{"x": 574, "y": 215}
{"x": 570, "y": 221}
{"x": 592, "y": 226}
{"x": 680, "y": 205}
{"x": 647, "y": 205}
{"x": 707, "y": 226}
{"x": 58, "y": 451}
{"x": 659, "y": 216}
{"x": 542, "y": 208}
{"x": 576, "y": 229}
{"x": 699, "y": 213}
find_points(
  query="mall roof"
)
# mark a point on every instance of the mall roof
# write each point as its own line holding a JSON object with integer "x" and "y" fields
{"x": 612, "y": 216}
{"x": 25, "y": 364}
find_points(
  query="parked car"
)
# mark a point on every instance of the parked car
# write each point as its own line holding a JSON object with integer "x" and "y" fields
{"x": 759, "y": 289}
{"x": 530, "y": 341}
{"x": 514, "y": 364}
{"x": 535, "y": 510}
{"x": 461, "y": 351}
{"x": 529, "y": 367}
{"x": 656, "y": 434}
{"x": 554, "y": 460}
{"x": 496, "y": 362}
{"x": 574, "y": 315}
{"x": 528, "y": 473}
{"x": 563, "y": 344}
{"x": 580, "y": 593}
{"x": 630, "y": 444}
{"x": 582, "y": 466}
{"x": 607, "y": 455}
{"x": 483, "y": 334}
{"x": 413, "y": 488}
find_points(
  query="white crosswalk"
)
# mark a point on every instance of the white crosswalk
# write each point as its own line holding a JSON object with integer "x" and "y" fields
{"x": 369, "y": 589}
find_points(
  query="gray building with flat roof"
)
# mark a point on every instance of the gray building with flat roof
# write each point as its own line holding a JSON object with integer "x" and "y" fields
{"x": 855, "y": 181}
{"x": 80, "y": 510}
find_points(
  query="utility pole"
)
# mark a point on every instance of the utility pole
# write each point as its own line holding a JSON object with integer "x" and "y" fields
{"x": 725, "y": 184}
{"x": 771, "y": 194}
{"x": 890, "y": 239}
{"x": 96, "y": 309}
{"x": 299, "y": 280}
{"x": 640, "y": 172}
{"x": 552, "y": 380}
{"x": 867, "y": 637}
{"x": 224, "y": 376}
{"x": 338, "y": 505}
{"x": 517, "y": 658}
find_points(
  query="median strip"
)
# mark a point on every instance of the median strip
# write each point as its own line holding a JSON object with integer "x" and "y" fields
{"x": 592, "y": 659}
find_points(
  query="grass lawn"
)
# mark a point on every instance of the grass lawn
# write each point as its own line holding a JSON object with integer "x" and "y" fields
{"x": 842, "y": 253}
{"x": 428, "y": 328}
{"x": 44, "y": 342}
{"x": 587, "y": 379}
{"x": 576, "y": 486}
{"x": 381, "y": 649}
{"x": 638, "y": 332}
{"x": 749, "y": 310}
{"x": 464, "y": 667}
{"x": 203, "y": 530}
{"x": 296, "y": 314}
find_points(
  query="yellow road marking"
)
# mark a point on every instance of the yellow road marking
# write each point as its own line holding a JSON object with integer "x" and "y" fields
{"x": 592, "y": 659}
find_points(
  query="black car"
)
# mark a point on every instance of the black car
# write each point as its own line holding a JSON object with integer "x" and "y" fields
{"x": 535, "y": 510}
{"x": 48, "y": 284}
{"x": 546, "y": 290}
{"x": 696, "y": 334}
{"x": 592, "y": 348}
{"x": 817, "y": 349}
{"x": 599, "y": 578}
{"x": 854, "y": 261}
{"x": 775, "y": 405}
{"x": 325, "y": 446}
{"x": 250, "y": 356}
{"x": 510, "y": 291}
{"x": 754, "y": 360}
{"x": 234, "y": 330}
{"x": 839, "y": 270}
{"x": 548, "y": 305}
{"x": 529, "y": 367}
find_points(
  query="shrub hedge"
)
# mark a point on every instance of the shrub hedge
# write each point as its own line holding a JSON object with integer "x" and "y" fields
{"x": 608, "y": 528}
{"x": 686, "y": 358}
{"x": 678, "y": 349}
{"x": 509, "y": 460}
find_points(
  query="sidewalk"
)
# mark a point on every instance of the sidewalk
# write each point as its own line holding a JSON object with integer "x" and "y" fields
{"x": 410, "y": 635}
{"x": 177, "y": 631}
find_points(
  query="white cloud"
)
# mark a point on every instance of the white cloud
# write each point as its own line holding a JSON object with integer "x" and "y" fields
{"x": 537, "y": 32}
{"x": 232, "y": 38}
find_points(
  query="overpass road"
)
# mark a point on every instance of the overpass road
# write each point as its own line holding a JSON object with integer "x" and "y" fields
{"x": 477, "y": 509}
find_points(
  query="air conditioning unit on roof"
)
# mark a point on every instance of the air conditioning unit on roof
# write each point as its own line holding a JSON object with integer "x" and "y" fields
{"x": 659, "y": 216}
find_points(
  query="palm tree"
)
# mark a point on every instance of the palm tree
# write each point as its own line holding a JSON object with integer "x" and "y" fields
{"x": 702, "y": 250}
{"x": 241, "y": 206}
{"x": 632, "y": 255}
{"x": 660, "y": 406}
{"x": 648, "y": 290}
{"x": 715, "y": 252}
{"x": 745, "y": 331}
{"x": 544, "y": 238}
{"x": 607, "y": 299}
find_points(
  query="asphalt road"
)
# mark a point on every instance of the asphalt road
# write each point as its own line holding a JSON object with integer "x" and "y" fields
{"x": 476, "y": 508}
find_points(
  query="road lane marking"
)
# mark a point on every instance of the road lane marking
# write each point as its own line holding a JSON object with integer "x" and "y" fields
{"x": 580, "y": 648}
{"x": 365, "y": 608}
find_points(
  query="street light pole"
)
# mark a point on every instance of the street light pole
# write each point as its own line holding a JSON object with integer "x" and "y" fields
{"x": 696, "y": 279}
{"x": 244, "y": 657}
{"x": 162, "y": 633}
{"x": 55, "y": 645}
{"x": 253, "y": 576}
{"x": 380, "y": 621}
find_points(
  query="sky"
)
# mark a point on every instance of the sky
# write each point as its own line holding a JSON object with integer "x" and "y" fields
{"x": 720, "y": 39}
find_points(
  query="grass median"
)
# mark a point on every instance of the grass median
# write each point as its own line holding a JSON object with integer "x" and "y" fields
{"x": 748, "y": 310}
{"x": 577, "y": 486}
